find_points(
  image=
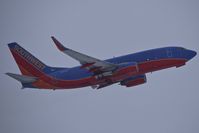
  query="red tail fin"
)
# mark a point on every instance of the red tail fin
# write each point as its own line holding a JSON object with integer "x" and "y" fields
{"x": 27, "y": 63}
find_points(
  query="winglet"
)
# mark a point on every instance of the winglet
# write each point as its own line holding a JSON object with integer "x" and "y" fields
{"x": 58, "y": 44}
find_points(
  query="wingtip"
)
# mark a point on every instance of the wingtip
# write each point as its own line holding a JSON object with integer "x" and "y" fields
{"x": 58, "y": 44}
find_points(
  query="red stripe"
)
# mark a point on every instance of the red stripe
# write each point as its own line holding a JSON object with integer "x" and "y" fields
{"x": 155, "y": 65}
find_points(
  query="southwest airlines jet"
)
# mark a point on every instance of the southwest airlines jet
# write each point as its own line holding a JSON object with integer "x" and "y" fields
{"x": 128, "y": 70}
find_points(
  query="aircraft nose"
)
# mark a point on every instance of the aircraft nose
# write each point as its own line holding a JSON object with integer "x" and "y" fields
{"x": 190, "y": 54}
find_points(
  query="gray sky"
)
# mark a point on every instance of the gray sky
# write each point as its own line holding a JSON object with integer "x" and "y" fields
{"x": 167, "y": 103}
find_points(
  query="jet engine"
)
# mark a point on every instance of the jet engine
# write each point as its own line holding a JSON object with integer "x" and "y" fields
{"x": 133, "y": 81}
{"x": 123, "y": 71}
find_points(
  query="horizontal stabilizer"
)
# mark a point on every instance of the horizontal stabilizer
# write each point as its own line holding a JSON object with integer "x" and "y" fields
{"x": 22, "y": 78}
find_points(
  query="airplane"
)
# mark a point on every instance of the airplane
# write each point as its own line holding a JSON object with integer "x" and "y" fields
{"x": 128, "y": 70}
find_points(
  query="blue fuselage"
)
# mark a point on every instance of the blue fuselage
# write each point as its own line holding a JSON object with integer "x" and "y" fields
{"x": 158, "y": 54}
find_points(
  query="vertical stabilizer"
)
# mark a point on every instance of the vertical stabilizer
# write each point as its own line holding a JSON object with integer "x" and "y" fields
{"x": 28, "y": 64}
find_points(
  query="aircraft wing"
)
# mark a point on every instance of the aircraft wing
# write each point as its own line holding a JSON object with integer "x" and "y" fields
{"x": 90, "y": 63}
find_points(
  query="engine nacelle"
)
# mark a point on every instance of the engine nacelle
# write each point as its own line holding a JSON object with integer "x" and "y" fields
{"x": 133, "y": 81}
{"x": 105, "y": 74}
{"x": 127, "y": 67}
{"x": 124, "y": 71}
